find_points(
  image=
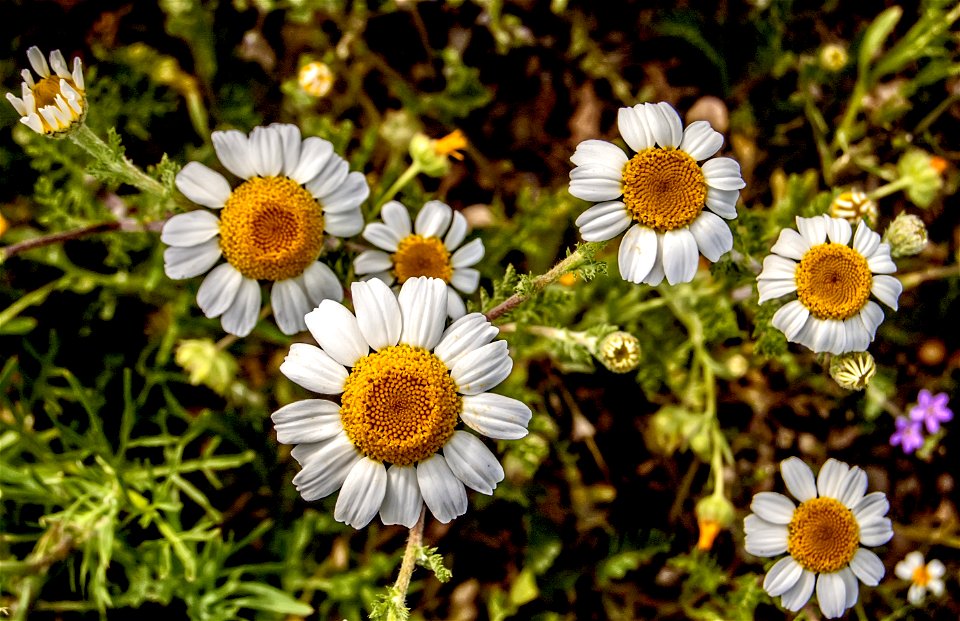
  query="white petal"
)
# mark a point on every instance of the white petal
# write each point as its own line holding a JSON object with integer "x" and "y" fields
{"x": 314, "y": 155}
{"x": 865, "y": 241}
{"x": 266, "y": 152}
{"x": 468, "y": 255}
{"x": 290, "y": 140}
{"x": 655, "y": 277}
{"x": 700, "y": 140}
{"x": 457, "y": 232}
{"x": 723, "y": 202}
{"x": 603, "y": 221}
{"x": 361, "y": 494}
{"x": 482, "y": 369}
{"x": 773, "y": 507}
{"x": 202, "y": 185}
{"x": 233, "y": 151}
{"x": 397, "y": 218}
{"x": 773, "y": 289}
{"x": 827, "y": 335}
{"x": 37, "y": 61}
{"x": 337, "y": 332}
{"x": 465, "y": 279}
{"x": 599, "y": 152}
{"x": 180, "y": 263}
{"x": 666, "y": 124}
{"x": 887, "y": 289}
{"x": 636, "y": 128}
{"x": 496, "y": 416}
{"x": 455, "y": 306}
{"x": 831, "y": 477}
{"x": 853, "y": 487}
{"x": 936, "y": 569}
{"x": 880, "y": 262}
{"x": 308, "y": 420}
{"x": 77, "y": 73}
{"x": 782, "y": 576}
{"x": 423, "y": 307}
{"x": 791, "y": 244}
{"x": 712, "y": 235}
{"x": 464, "y": 335}
{"x": 190, "y": 229}
{"x": 915, "y": 594}
{"x": 831, "y": 595}
{"x": 795, "y": 599}
{"x": 402, "y": 501}
{"x": 872, "y": 316}
{"x": 241, "y": 318}
{"x": 372, "y": 261}
{"x": 382, "y": 236}
{"x": 58, "y": 64}
{"x": 637, "y": 254}
{"x": 218, "y": 290}
{"x": 442, "y": 490}
{"x": 764, "y": 538}
{"x": 433, "y": 220}
{"x": 378, "y": 313}
{"x": 325, "y": 466}
{"x": 290, "y": 304}
{"x": 850, "y": 586}
{"x": 592, "y": 185}
{"x": 798, "y": 478}
{"x": 868, "y": 567}
{"x": 876, "y": 532}
{"x": 905, "y": 568}
{"x": 348, "y": 196}
{"x": 814, "y": 230}
{"x": 312, "y": 368}
{"x": 329, "y": 179}
{"x": 838, "y": 230}
{"x": 472, "y": 462}
{"x": 722, "y": 173}
{"x": 776, "y": 267}
{"x": 343, "y": 224}
{"x": 872, "y": 507}
{"x": 17, "y": 104}
{"x": 680, "y": 256}
{"x": 320, "y": 283}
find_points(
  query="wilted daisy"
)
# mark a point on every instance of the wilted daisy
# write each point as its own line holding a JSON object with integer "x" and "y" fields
{"x": 270, "y": 227}
{"x": 432, "y": 246}
{"x": 822, "y": 536}
{"x": 922, "y": 577}
{"x": 56, "y": 102}
{"x": 392, "y": 444}
{"x": 833, "y": 282}
{"x": 659, "y": 194}
{"x": 853, "y": 206}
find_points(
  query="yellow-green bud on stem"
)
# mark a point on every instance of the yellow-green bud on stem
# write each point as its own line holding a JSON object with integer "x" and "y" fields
{"x": 206, "y": 364}
{"x": 833, "y": 57}
{"x": 619, "y": 351}
{"x": 853, "y": 370}
{"x": 907, "y": 235}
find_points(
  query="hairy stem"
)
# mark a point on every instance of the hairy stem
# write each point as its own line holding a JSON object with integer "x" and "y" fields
{"x": 414, "y": 541}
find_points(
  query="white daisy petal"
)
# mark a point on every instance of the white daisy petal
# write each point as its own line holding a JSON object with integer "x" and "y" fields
{"x": 680, "y": 256}
{"x": 722, "y": 173}
{"x": 667, "y": 127}
{"x": 233, "y": 151}
{"x": 378, "y": 313}
{"x": 382, "y": 236}
{"x": 910, "y": 563}
{"x": 831, "y": 595}
{"x": 814, "y": 230}
{"x": 482, "y": 369}
{"x": 881, "y": 263}
{"x": 241, "y": 318}
{"x": 290, "y": 304}
{"x": 768, "y": 540}
{"x": 872, "y": 316}
{"x": 496, "y": 416}
{"x": 790, "y": 319}
{"x": 776, "y": 267}
{"x": 306, "y": 421}
{"x": 603, "y": 221}
{"x": 865, "y": 241}
{"x": 872, "y": 507}
{"x": 423, "y": 306}
{"x": 887, "y": 289}
{"x": 465, "y": 279}
{"x": 700, "y": 140}
{"x": 326, "y": 467}
{"x": 868, "y": 567}
{"x": 343, "y": 224}
{"x": 791, "y": 244}
{"x": 181, "y": 263}
{"x": 797, "y": 597}
{"x": 218, "y": 290}
{"x": 782, "y": 576}
{"x": 337, "y": 331}
{"x": 311, "y": 367}
{"x": 314, "y": 155}
{"x": 723, "y": 202}
{"x": 472, "y": 462}
{"x": 773, "y": 289}
{"x": 853, "y": 487}
{"x": 361, "y": 494}
{"x": 397, "y": 218}
{"x": 876, "y": 533}
{"x": 348, "y": 197}
{"x": 18, "y": 104}
{"x": 266, "y": 152}
{"x": 838, "y": 230}
{"x": 591, "y": 184}
{"x": 320, "y": 283}
{"x": 37, "y": 61}
{"x": 77, "y": 73}
{"x": 455, "y": 306}
{"x": 402, "y": 501}
{"x": 290, "y": 140}
{"x": 442, "y": 491}
{"x": 773, "y": 507}
{"x": 457, "y": 232}
{"x": 433, "y": 219}
{"x": 599, "y": 152}
{"x": 655, "y": 276}
{"x": 333, "y": 174}
{"x": 464, "y": 335}
{"x": 637, "y": 253}
{"x": 203, "y": 185}
{"x": 469, "y": 254}
{"x": 190, "y": 229}
{"x": 851, "y": 587}
{"x": 636, "y": 128}
{"x": 831, "y": 477}
{"x": 798, "y": 478}
{"x": 712, "y": 235}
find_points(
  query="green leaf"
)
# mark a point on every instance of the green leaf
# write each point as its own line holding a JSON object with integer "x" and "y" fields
{"x": 875, "y": 36}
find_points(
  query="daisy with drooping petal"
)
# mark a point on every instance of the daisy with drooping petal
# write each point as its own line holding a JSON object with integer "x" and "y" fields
{"x": 833, "y": 282}
{"x": 922, "y": 577}
{"x": 56, "y": 102}
{"x": 822, "y": 536}
{"x": 659, "y": 194}
{"x": 392, "y": 444}
{"x": 433, "y": 246}
{"x": 270, "y": 227}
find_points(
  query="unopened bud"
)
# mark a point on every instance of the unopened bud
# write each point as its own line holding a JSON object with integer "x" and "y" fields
{"x": 922, "y": 173}
{"x": 714, "y": 513}
{"x": 619, "y": 351}
{"x": 853, "y": 206}
{"x": 315, "y": 79}
{"x": 433, "y": 155}
{"x": 833, "y": 57}
{"x": 853, "y": 370}
{"x": 206, "y": 364}
{"x": 907, "y": 235}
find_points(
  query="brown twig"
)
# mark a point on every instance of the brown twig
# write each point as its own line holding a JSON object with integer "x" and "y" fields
{"x": 100, "y": 227}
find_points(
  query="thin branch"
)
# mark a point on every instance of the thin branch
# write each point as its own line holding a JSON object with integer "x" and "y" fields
{"x": 131, "y": 226}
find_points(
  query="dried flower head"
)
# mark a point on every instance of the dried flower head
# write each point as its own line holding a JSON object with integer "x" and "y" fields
{"x": 853, "y": 206}
{"x": 907, "y": 235}
{"x": 853, "y": 370}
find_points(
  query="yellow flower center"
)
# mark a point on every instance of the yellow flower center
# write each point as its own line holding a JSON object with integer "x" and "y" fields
{"x": 46, "y": 90}
{"x": 663, "y": 189}
{"x": 421, "y": 256}
{"x": 823, "y": 535}
{"x": 921, "y": 577}
{"x": 399, "y": 405}
{"x": 271, "y": 228}
{"x": 833, "y": 281}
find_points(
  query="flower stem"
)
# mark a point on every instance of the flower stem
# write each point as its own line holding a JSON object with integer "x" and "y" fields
{"x": 890, "y": 188}
{"x": 406, "y": 177}
{"x": 414, "y": 540}
{"x": 100, "y": 227}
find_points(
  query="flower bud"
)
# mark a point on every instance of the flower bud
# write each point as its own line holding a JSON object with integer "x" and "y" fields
{"x": 714, "y": 513}
{"x": 833, "y": 57}
{"x": 619, "y": 351}
{"x": 853, "y": 206}
{"x": 433, "y": 155}
{"x": 315, "y": 79}
{"x": 207, "y": 364}
{"x": 922, "y": 173}
{"x": 907, "y": 235}
{"x": 853, "y": 370}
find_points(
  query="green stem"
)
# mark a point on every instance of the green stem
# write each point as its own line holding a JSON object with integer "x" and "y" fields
{"x": 890, "y": 188}
{"x": 406, "y": 177}
{"x": 124, "y": 168}
{"x": 409, "y": 562}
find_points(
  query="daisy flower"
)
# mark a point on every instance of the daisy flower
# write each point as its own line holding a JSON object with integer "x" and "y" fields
{"x": 659, "y": 194}
{"x": 922, "y": 576}
{"x": 822, "y": 536}
{"x": 56, "y": 102}
{"x": 433, "y": 246}
{"x": 270, "y": 227}
{"x": 392, "y": 443}
{"x": 833, "y": 282}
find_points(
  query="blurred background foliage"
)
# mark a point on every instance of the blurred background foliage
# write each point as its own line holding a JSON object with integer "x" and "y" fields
{"x": 139, "y": 471}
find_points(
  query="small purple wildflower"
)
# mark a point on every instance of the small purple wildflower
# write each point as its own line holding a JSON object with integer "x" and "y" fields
{"x": 908, "y": 435}
{"x": 931, "y": 410}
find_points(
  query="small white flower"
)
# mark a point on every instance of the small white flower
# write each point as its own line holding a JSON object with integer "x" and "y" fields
{"x": 56, "y": 102}
{"x": 430, "y": 246}
{"x": 392, "y": 444}
{"x": 822, "y": 536}
{"x": 661, "y": 191}
{"x": 833, "y": 282}
{"x": 271, "y": 227}
{"x": 922, "y": 577}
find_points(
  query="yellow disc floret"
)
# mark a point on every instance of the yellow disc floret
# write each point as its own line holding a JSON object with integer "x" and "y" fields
{"x": 399, "y": 405}
{"x": 833, "y": 281}
{"x": 663, "y": 189}
{"x": 421, "y": 256}
{"x": 823, "y": 535}
{"x": 271, "y": 228}
{"x": 921, "y": 576}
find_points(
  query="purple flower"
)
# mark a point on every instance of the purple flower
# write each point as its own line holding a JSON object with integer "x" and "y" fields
{"x": 931, "y": 410}
{"x": 908, "y": 435}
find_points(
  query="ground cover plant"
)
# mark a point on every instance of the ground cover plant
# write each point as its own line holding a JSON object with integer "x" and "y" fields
{"x": 477, "y": 309}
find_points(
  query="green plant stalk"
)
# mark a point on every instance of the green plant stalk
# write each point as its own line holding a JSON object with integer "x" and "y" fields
{"x": 405, "y": 177}
{"x": 409, "y": 562}
{"x": 889, "y": 188}
{"x": 84, "y": 138}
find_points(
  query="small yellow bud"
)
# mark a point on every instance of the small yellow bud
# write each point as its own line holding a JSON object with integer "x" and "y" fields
{"x": 568, "y": 280}
{"x": 853, "y": 206}
{"x": 714, "y": 513}
{"x": 853, "y": 370}
{"x": 833, "y": 57}
{"x": 619, "y": 351}
{"x": 315, "y": 79}
{"x": 907, "y": 235}
{"x": 433, "y": 155}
